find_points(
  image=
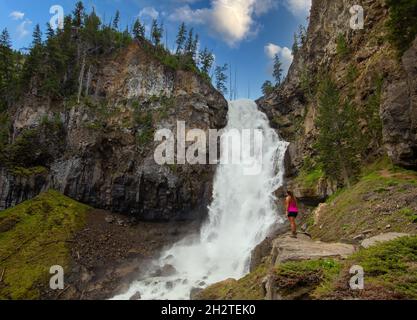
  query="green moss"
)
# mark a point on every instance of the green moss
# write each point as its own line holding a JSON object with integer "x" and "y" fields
{"x": 310, "y": 179}
{"x": 247, "y": 288}
{"x": 391, "y": 265}
{"x": 27, "y": 172}
{"x": 35, "y": 237}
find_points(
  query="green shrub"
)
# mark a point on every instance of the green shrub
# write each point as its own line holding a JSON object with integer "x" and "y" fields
{"x": 392, "y": 265}
{"x": 342, "y": 48}
{"x": 402, "y": 23}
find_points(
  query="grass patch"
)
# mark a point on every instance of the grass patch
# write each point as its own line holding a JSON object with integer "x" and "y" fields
{"x": 366, "y": 205}
{"x": 409, "y": 213}
{"x": 247, "y": 288}
{"x": 392, "y": 265}
{"x": 314, "y": 275}
{"x": 34, "y": 237}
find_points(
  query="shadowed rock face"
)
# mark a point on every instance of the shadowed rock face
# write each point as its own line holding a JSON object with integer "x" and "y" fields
{"x": 399, "y": 113}
{"x": 293, "y": 111}
{"x": 106, "y": 154}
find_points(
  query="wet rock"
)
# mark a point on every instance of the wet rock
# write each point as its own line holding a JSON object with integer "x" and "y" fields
{"x": 136, "y": 296}
{"x": 168, "y": 270}
{"x": 194, "y": 293}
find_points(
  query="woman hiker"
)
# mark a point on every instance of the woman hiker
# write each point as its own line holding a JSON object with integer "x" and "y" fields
{"x": 291, "y": 209}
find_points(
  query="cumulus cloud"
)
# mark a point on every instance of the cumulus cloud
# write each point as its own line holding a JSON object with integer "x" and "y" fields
{"x": 22, "y": 30}
{"x": 233, "y": 20}
{"x": 284, "y": 53}
{"x": 17, "y": 15}
{"x": 149, "y": 12}
{"x": 299, "y": 7}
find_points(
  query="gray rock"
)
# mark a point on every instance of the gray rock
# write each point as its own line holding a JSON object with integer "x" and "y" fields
{"x": 194, "y": 292}
{"x": 384, "y": 237}
{"x": 136, "y": 296}
{"x": 286, "y": 248}
{"x": 359, "y": 237}
{"x": 109, "y": 219}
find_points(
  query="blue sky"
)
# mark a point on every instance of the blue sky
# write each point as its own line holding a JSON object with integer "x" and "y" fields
{"x": 243, "y": 33}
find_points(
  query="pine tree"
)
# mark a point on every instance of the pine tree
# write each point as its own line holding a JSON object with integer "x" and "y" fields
{"x": 277, "y": 72}
{"x": 6, "y": 70}
{"x": 295, "y": 47}
{"x": 194, "y": 48}
{"x": 37, "y": 36}
{"x": 206, "y": 61}
{"x": 221, "y": 78}
{"x": 138, "y": 30}
{"x": 156, "y": 33}
{"x": 337, "y": 142}
{"x": 116, "y": 20}
{"x": 302, "y": 35}
{"x": 50, "y": 33}
{"x": 181, "y": 38}
{"x": 190, "y": 42}
{"x": 267, "y": 88}
{"x": 79, "y": 13}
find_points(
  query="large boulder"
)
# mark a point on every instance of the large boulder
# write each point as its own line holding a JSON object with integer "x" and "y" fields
{"x": 286, "y": 248}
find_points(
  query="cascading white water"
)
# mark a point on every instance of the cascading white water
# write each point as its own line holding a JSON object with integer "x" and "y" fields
{"x": 241, "y": 215}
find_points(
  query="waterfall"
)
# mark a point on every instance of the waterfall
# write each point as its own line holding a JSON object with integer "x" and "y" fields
{"x": 241, "y": 215}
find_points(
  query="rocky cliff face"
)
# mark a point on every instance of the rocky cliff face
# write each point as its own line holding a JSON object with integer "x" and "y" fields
{"x": 369, "y": 68}
{"x": 100, "y": 150}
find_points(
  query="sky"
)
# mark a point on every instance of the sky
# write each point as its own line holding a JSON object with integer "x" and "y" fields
{"x": 246, "y": 34}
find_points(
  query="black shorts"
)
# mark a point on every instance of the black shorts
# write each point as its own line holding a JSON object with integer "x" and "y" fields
{"x": 292, "y": 214}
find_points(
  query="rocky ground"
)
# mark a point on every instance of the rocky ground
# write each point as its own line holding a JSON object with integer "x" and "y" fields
{"x": 112, "y": 251}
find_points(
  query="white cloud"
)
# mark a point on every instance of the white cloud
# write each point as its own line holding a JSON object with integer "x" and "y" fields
{"x": 232, "y": 20}
{"x": 17, "y": 15}
{"x": 284, "y": 53}
{"x": 22, "y": 30}
{"x": 188, "y": 15}
{"x": 149, "y": 12}
{"x": 299, "y": 7}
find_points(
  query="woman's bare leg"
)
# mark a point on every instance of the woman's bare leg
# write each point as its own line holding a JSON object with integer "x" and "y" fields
{"x": 293, "y": 225}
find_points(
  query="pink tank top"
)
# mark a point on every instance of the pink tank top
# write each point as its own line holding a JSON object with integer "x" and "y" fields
{"x": 292, "y": 207}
